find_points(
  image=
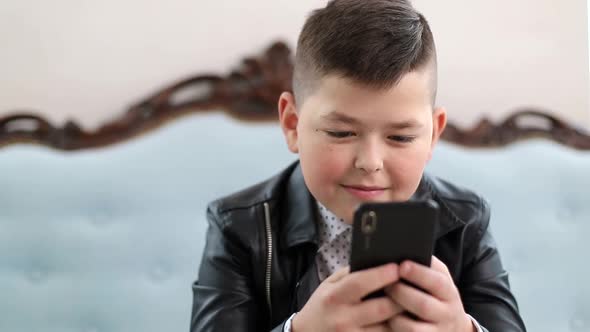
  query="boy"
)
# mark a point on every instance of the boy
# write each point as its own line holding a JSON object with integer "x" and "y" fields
{"x": 363, "y": 122}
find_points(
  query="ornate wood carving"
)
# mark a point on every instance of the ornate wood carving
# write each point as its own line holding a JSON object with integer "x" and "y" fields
{"x": 519, "y": 125}
{"x": 250, "y": 94}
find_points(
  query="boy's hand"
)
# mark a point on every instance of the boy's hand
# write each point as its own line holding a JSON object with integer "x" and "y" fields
{"x": 441, "y": 310}
{"x": 336, "y": 304}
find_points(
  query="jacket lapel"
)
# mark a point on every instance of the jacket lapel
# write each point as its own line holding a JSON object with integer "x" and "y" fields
{"x": 306, "y": 286}
{"x": 300, "y": 228}
{"x": 446, "y": 221}
{"x": 300, "y": 213}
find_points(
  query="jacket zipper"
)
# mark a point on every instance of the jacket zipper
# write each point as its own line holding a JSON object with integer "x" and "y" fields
{"x": 268, "y": 254}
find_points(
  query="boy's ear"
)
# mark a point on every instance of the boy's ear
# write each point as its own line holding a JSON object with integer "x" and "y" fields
{"x": 439, "y": 123}
{"x": 288, "y": 118}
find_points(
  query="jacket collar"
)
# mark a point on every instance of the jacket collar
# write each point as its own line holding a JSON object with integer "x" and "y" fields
{"x": 447, "y": 220}
{"x": 301, "y": 214}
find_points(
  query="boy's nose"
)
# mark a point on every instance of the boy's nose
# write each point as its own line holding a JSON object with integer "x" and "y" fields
{"x": 369, "y": 158}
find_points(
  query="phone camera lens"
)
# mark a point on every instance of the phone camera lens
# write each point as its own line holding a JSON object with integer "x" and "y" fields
{"x": 369, "y": 222}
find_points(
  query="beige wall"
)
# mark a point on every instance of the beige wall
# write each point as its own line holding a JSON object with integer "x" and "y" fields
{"x": 496, "y": 56}
{"x": 88, "y": 60}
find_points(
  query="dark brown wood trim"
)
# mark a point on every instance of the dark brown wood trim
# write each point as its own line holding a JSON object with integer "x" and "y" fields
{"x": 251, "y": 94}
{"x": 520, "y": 125}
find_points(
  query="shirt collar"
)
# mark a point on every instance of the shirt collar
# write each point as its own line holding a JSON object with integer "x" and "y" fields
{"x": 329, "y": 225}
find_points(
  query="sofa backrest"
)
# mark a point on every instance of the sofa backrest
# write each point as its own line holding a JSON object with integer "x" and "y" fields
{"x": 110, "y": 239}
{"x": 539, "y": 194}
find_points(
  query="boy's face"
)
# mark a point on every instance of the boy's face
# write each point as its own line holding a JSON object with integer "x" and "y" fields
{"x": 358, "y": 144}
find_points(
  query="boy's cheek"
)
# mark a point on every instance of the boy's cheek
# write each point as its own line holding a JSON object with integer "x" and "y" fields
{"x": 326, "y": 174}
{"x": 328, "y": 158}
{"x": 325, "y": 171}
{"x": 411, "y": 161}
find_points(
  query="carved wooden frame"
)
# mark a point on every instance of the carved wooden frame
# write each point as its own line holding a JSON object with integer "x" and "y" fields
{"x": 250, "y": 94}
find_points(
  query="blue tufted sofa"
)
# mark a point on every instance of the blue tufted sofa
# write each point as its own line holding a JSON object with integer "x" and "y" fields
{"x": 110, "y": 239}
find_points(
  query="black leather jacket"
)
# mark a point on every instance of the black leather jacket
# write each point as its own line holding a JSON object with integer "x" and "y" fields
{"x": 258, "y": 265}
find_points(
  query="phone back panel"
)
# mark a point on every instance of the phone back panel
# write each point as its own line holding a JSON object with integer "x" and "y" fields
{"x": 393, "y": 232}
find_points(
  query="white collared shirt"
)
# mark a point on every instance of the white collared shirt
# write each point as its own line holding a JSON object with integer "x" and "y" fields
{"x": 335, "y": 238}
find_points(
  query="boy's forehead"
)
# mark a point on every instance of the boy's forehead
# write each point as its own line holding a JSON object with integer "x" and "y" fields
{"x": 421, "y": 81}
{"x": 339, "y": 100}
{"x": 413, "y": 88}
{"x": 408, "y": 120}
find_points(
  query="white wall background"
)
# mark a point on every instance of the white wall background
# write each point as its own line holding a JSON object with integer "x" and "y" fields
{"x": 88, "y": 60}
{"x": 496, "y": 56}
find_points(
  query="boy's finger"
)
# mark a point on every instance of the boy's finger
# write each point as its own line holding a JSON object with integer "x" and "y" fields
{"x": 377, "y": 328}
{"x": 405, "y": 323}
{"x": 358, "y": 284}
{"x": 375, "y": 311}
{"x": 423, "y": 305}
{"x": 430, "y": 280}
{"x": 339, "y": 274}
{"x": 439, "y": 266}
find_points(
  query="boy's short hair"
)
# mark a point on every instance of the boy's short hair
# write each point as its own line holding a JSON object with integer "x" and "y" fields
{"x": 371, "y": 42}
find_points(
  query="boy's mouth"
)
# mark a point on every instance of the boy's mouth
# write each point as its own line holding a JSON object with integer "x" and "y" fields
{"x": 364, "y": 192}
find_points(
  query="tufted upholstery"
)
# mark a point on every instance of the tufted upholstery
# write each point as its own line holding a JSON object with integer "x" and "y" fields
{"x": 111, "y": 239}
{"x": 539, "y": 194}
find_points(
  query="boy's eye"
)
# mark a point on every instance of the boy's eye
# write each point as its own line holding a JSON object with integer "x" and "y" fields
{"x": 402, "y": 139}
{"x": 340, "y": 134}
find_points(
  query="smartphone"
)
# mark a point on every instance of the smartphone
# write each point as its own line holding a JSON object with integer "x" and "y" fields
{"x": 392, "y": 233}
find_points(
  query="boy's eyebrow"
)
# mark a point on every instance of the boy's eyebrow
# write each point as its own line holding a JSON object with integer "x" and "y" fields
{"x": 343, "y": 118}
{"x": 339, "y": 117}
{"x": 410, "y": 124}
